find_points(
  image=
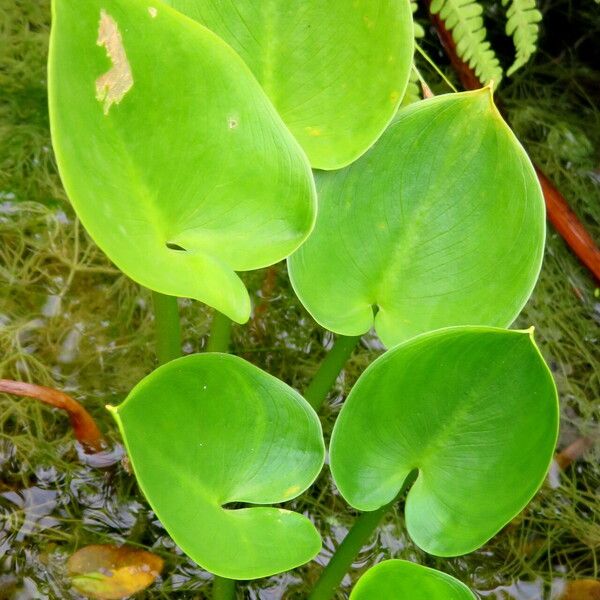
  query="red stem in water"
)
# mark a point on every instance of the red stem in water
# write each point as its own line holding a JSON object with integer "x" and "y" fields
{"x": 573, "y": 452}
{"x": 84, "y": 427}
{"x": 565, "y": 221}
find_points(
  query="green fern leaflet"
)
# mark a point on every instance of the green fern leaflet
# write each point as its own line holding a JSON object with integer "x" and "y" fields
{"x": 464, "y": 18}
{"x": 523, "y": 18}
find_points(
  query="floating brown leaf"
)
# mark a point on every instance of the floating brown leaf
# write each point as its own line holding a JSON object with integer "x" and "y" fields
{"x": 584, "y": 589}
{"x": 112, "y": 572}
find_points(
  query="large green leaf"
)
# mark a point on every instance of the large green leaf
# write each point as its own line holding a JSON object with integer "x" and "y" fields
{"x": 441, "y": 223}
{"x": 403, "y": 580}
{"x": 208, "y": 430}
{"x": 173, "y": 157}
{"x": 473, "y": 409}
{"x": 336, "y": 70}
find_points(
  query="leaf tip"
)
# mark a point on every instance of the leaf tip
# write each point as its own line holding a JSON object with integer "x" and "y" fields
{"x": 488, "y": 91}
{"x": 487, "y": 95}
{"x": 530, "y": 332}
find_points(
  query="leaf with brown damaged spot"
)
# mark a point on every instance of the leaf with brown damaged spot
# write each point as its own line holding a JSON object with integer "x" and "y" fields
{"x": 112, "y": 572}
{"x": 113, "y": 85}
{"x": 194, "y": 157}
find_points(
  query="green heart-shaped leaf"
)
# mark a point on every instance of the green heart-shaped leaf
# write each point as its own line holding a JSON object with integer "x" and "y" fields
{"x": 403, "y": 580}
{"x": 474, "y": 410}
{"x": 208, "y": 430}
{"x": 173, "y": 157}
{"x": 441, "y": 223}
{"x": 336, "y": 71}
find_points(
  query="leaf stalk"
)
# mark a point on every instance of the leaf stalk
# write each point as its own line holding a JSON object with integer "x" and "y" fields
{"x": 223, "y": 589}
{"x": 220, "y": 333}
{"x": 360, "y": 533}
{"x": 168, "y": 328}
{"x": 328, "y": 371}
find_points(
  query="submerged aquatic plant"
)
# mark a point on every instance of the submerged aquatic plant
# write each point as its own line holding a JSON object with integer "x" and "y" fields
{"x": 115, "y": 107}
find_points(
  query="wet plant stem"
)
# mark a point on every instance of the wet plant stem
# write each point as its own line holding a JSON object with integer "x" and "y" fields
{"x": 168, "y": 328}
{"x": 223, "y": 589}
{"x": 219, "y": 341}
{"x": 316, "y": 392}
{"x": 220, "y": 333}
{"x": 360, "y": 533}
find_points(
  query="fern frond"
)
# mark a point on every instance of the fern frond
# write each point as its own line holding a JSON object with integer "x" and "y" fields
{"x": 464, "y": 18}
{"x": 419, "y": 31}
{"x": 523, "y": 18}
{"x": 413, "y": 90}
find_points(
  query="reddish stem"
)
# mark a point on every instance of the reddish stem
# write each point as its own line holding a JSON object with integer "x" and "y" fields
{"x": 84, "y": 427}
{"x": 573, "y": 452}
{"x": 267, "y": 291}
{"x": 565, "y": 221}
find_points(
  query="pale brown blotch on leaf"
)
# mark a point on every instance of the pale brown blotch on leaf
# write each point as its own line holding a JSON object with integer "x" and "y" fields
{"x": 113, "y": 85}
